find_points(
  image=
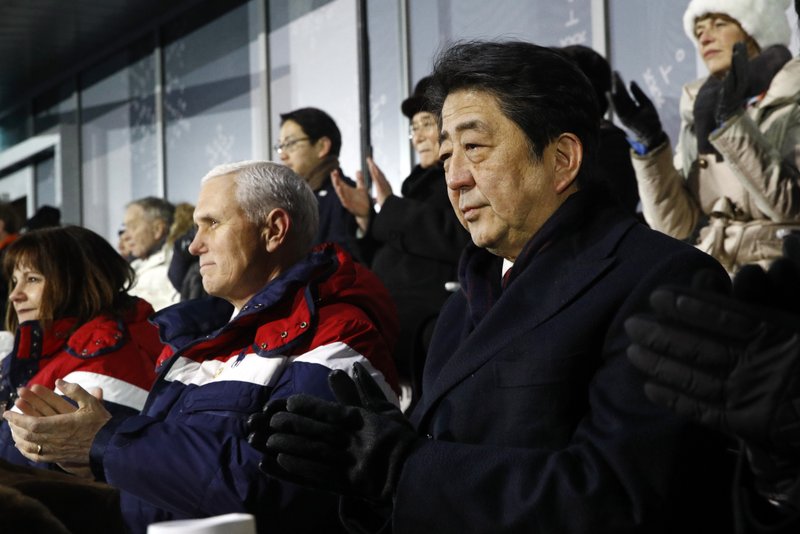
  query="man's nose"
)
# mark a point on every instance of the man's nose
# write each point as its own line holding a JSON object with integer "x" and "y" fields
{"x": 457, "y": 173}
{"x": 195, "y": 245}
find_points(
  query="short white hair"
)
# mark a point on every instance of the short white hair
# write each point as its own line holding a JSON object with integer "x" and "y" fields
{"x": 262, "y": 186}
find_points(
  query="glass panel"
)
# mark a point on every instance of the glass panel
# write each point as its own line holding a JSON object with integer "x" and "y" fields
{"x": 648, "y": 45}
{"x": 313, "y": 62}
{"x": 389, "y": 128}
{"x": 45, "y": 182}
{"x": 14, "y": 127}
{"x": 119, "y": 142}
{"x": 794, "y": 44}
{"x": 435, "y": 24}
{"x": 15, "y": 187}
{"x": 55, "y": 107}
{"x": 212, "y": 100}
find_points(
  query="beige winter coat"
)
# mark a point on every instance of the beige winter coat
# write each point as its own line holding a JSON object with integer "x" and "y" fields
{"x": 738, "y": 209}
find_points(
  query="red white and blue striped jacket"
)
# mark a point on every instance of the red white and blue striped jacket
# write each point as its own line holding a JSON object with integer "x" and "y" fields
{"x": 186, "y": 454}
{"x": 115, "y": 354}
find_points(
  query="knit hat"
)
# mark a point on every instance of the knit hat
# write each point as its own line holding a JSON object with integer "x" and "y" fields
{"x": 417, "y": 101}
{"x": 763, "y": 20}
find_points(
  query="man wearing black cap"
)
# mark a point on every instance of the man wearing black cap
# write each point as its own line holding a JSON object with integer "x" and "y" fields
{"x": 412, "y": 242}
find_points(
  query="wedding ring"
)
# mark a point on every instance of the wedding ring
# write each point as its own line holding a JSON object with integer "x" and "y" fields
{"x": 39, "y": 449}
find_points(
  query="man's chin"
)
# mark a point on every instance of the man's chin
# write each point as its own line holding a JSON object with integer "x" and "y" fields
{"x": 483, "y": 242}
{"x": 489, "y": 243}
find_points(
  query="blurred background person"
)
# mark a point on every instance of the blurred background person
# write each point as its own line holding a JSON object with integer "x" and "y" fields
{"x": 309, "y": 144}
{"x": 184, "y": 268}
{"x": 733, "y": 185}
{"x": 182, "y": 222}
{"x": 147, "y": 222}
{"x": 122, "y": 245}
{"x": 45, "y": 217}
{"x": 614, "y": 170}
{"x": 413, "y": 241}
{"x": 74, "y": 319}
{"x": 731, "y": 361}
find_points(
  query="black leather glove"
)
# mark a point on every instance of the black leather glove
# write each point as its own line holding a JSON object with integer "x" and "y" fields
{"x": 731, "y": 365}
{"x": 791, "y": 248}
{"x": 722, "y": 363}
{"x": 355, "y": 447}
{"x": 733, "y": 89}
{"x": 778, "y": 288}
{"x": 639, "y": 116}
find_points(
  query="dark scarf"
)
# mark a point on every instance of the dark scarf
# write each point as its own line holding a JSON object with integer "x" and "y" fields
{"x": 761, "y": 70}
{"x": 479, "y": 270}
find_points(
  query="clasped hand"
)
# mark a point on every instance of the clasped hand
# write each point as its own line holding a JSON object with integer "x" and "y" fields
{"x": 50, "y": 429}
{"x": 353, "y": 447}
{"x": 720, "y": 362}
{"x": 732, "y": 362}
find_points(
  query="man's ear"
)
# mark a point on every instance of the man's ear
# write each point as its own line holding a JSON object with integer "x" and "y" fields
{"x": 568, "y": 158}
{"x": 276, "y": 229}
{"x": 159, "y": 229}
{"x": 323, "y": 146}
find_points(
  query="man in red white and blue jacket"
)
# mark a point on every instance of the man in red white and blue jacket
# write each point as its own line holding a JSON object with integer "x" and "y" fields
{"x": 279, "y": 320}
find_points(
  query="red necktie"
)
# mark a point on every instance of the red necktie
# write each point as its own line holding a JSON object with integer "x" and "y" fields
{"x": 506, "y": 276}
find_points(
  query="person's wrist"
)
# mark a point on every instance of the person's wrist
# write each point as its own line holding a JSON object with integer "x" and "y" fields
{"x": 380, "y": 200}
{"x": 654, "y": 140}
{"x": 406, "y": 442}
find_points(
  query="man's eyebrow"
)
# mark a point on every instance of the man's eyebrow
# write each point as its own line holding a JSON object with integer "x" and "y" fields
{"x": 474, "y": 124}
{"x": 203, "y": 217}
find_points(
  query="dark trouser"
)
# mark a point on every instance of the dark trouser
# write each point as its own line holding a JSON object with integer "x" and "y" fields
{"x": 37, "y": 500}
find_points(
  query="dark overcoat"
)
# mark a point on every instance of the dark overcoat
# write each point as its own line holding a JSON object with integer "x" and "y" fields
{"x": 413, "y": 245}
{"x": 536, "y": 421}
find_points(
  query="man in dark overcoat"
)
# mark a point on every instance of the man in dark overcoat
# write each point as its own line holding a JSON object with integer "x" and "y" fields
{"x": 531, "y": 419}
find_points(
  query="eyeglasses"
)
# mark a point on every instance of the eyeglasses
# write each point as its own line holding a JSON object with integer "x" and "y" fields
{"x": 425, "y": 126}
{"x": 286, "y": 146}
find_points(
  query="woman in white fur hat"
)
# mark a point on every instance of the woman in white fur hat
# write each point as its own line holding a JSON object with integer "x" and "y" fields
{"x": 732, "y": 186}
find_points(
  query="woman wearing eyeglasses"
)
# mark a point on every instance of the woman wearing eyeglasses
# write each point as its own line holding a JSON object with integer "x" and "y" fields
{"x": 413, "y": 241}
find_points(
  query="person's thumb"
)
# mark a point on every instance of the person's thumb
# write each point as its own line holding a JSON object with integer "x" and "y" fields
{"x": 75, "y": 392}
{"x": 360, "y": 183}
{"x": 97, "y": 393}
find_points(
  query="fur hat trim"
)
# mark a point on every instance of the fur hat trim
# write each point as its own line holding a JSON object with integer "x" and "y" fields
{"x": 763, "y": 20}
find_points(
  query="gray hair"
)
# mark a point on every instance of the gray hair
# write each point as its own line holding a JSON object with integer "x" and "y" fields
{"x": 155, "y": 208}
{"x": 262, "y": 186}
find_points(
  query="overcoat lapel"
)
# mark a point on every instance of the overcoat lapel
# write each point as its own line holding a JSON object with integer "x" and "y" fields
{"x": 552, "y": 281}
